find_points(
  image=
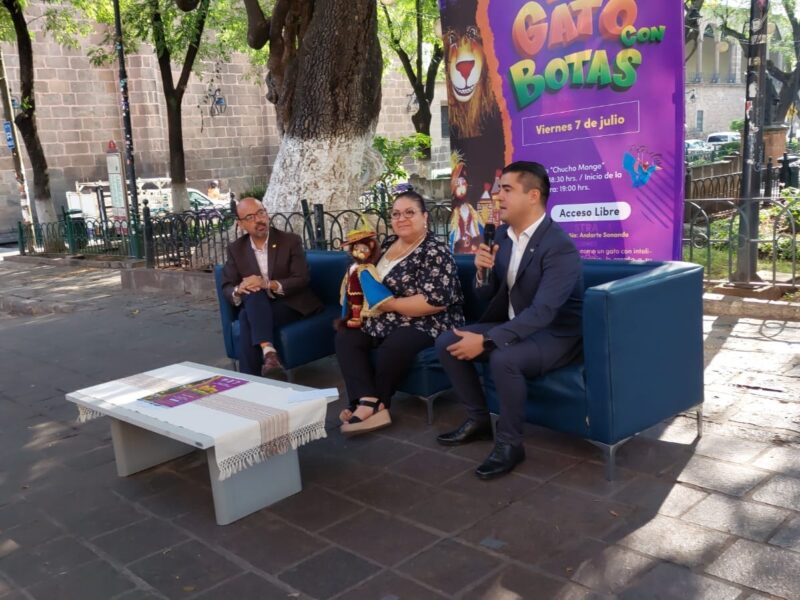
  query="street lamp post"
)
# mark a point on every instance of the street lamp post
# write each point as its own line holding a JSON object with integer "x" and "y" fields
{"x": 128, "y": 130}
{"x": 753, "y": 143}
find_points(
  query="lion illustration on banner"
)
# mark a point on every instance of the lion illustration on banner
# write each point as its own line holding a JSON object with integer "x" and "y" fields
{"x": 471, "y": 100}
{"x": 477, "y": 137}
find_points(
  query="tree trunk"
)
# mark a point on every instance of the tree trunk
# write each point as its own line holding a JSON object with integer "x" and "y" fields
{"x": 26, "y": 119}
{"x": 177, "y": 161}
{"x": 422, "y": 123}
{"x": 327, "y": 94}
{"x": 173, "y": 93}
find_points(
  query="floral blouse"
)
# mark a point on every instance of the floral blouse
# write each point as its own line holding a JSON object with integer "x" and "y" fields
{"x": 429, "y": 270}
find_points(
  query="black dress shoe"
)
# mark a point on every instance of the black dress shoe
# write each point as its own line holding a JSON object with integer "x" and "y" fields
{"x": 501, "y": 460}
{"x": 470, "y": 431}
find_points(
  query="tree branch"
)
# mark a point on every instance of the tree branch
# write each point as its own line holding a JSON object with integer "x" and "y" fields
{"x": 789, "y": 7}
{"x": 781, "y": 76}
{"x": 162, "y": 51}
{"x": 419, "y": 40}
{"x": 433, "y": 70}
{"x": 194, "y": 47}
{"x": 25, "y": 52}
{"x": 405, "y": 59}
{"x": 691, "y": 24}
{"x": 258, "y": 26}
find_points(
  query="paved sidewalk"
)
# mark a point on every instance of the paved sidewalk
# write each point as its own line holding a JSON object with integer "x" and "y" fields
{"x": 392, "y": 515}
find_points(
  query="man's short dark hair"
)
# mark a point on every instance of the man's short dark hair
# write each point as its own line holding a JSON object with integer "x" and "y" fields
{"x": 531, "y": 175}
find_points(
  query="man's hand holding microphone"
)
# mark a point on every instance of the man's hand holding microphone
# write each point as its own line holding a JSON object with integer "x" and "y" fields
{"x": 484, "y": 258}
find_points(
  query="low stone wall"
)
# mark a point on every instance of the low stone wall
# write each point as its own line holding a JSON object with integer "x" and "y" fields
{"x": 750, "y": 308}
{"x": 94, "y": 262}
{"x": 194, "y": 283}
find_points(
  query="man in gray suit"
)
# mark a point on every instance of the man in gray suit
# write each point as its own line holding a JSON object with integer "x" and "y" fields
{"x": 532, "y": 325}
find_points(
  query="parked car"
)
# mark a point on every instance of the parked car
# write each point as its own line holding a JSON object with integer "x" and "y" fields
{"x": 697, "y": 150}
{"x": 721, "y": 138}
{"x": 199, "y": 201}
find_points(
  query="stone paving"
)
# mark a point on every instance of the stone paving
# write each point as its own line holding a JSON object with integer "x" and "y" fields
{"x": 392, "y": 515}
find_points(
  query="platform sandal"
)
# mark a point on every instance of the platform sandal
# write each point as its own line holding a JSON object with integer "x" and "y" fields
{"x": 378, "y": 420}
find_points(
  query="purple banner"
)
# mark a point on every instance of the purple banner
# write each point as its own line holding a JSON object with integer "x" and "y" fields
{"x": 592, "y": 89}
{"x": 183, "y": 394}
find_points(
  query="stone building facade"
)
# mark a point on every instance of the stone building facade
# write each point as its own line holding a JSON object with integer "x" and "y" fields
{"x": 78, "y": 112}
{"x": 715, "y": 74}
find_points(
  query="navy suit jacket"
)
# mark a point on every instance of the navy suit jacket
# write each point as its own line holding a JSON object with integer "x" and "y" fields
{"x": 547, "y": 294}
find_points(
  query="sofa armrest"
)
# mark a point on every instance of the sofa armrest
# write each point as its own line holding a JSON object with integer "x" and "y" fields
{"x": 643, "y": 345}
{"x": 227, "y": 314}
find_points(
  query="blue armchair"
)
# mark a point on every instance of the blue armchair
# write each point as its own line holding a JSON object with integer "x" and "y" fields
{"x": 306, "y": 340}
{"x": 643, "y": 355}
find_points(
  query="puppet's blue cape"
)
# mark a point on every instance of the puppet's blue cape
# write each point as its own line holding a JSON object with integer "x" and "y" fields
{"x": 375, "y": 293}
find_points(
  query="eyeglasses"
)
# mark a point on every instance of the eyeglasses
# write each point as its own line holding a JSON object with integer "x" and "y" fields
{"x": 252, "y": 217}
{"x": 409, "y": 213}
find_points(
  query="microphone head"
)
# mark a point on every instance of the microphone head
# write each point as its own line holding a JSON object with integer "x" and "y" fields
{"x": 488, "y": 234}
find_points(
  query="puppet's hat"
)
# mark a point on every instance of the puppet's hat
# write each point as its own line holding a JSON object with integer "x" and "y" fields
{"x": 363, "y": 231}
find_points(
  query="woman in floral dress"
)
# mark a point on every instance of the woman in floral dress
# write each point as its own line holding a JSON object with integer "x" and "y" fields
{"x": 421, "y": 273}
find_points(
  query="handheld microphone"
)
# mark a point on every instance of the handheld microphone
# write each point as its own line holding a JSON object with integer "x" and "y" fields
{"x": 488, "y": 238}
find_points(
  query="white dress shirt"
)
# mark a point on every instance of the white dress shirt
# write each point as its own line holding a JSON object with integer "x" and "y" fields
{"x": 262, "y": 258}
{"x": 519, "y": 244}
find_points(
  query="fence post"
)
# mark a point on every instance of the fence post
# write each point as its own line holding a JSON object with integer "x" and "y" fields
{"x": 785, "y": 172}
{"x": 21, "y": 238}
{"x": 687, "y": 193}
{"x": 768, "y": 179}
{"x": 319, "y": 227}
{"x": 149, "y": 246}
{"x": 68, "y": 230}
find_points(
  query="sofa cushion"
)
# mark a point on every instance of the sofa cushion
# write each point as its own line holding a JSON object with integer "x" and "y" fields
{"x": 473, "y": 306}
{"x": 327, "y": 271}
{"x": 556, "y": 400}
{"x": 598, "y": 272}
{"x": 426, "y": 376}
{"x": 308, "y": 339}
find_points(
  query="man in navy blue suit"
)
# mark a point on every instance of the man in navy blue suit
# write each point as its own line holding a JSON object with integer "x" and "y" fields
{"x": 533, "y": 278}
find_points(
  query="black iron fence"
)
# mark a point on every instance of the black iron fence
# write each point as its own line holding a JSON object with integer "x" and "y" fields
{"x": 198, "y": 240}
{"x": 714, "y": 235}
{"x": 77, "y": 235}
{"x": 773, "y": 179}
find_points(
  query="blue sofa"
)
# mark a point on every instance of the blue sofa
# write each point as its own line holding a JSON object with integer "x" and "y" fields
{"x": 643, "y": 349}
{"x": 307, "y": 340}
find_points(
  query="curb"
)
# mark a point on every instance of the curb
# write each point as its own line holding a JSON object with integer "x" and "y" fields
{"x": 70, "y": 261}
{"x": 31, "y": 307}
{"x": 721, "y": 305}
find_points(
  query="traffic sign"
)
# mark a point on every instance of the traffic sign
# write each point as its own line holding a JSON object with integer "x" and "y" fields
{"x": 9, "y": 135}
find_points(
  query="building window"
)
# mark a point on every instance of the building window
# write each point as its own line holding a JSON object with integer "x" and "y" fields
{"x": 699, "y": 123}
{"x": 445, "y": 121}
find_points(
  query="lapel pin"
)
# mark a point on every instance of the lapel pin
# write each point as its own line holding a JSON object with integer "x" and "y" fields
{"x": 274, "y": 245}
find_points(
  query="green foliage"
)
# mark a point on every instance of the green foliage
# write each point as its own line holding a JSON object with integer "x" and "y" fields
{"x": 256, "y": 190}
{"x": 400, "y": 30}
{"x": 737, "y": 125}
{"x": 224, "y": 21}
{"x": 65, "y": 21}
{"x": 395, "y": 152}
{"x": 729, "y": 148}
{"x": 6, "y": 27}
{"x": 778, "y": 228}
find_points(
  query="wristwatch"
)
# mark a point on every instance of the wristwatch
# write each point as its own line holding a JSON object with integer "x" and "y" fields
{"x": 236, "y": 290}
{"x": 488, "y": 344}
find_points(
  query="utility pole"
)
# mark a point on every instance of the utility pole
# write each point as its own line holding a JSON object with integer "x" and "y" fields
{"x": 12, "y": 140}
{"x": 128, "y": 130}
{"x": 753, "y": 144}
